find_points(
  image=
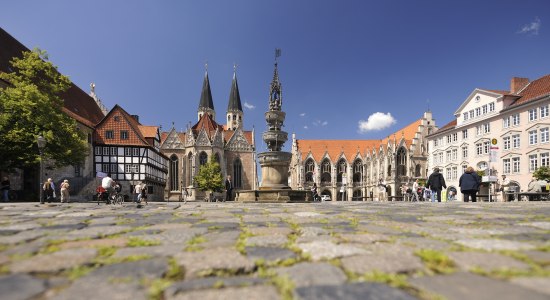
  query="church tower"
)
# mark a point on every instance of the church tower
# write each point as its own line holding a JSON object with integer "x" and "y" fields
{"x": 234, "y": 108}
{"x": 206, "y": 105}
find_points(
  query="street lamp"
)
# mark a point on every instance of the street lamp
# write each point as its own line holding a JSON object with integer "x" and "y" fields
{"x": 41, "y": 141}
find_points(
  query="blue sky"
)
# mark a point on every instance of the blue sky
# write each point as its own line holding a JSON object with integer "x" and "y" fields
{"x": 342, "y": 61}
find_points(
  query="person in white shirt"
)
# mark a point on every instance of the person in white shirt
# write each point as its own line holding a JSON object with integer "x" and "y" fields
{"x": 505, "y": 187}
{"x": 415, "y": 190}
{"x": 107, "y": 184}
{"x": 137, "y": 191}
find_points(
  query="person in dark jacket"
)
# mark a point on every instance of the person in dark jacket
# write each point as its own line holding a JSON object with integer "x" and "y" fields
{"x": 436, "y": 183}
{"x": 228, "y": 188}
{"x": 469, "y": 184}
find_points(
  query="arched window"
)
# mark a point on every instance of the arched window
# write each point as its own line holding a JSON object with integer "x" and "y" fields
{"x": 342, "y": 170}
{"x": 203, "y": 158}
{"x": 325, "y": 171}
{"x": 401, "y": 162}
{"x": 217, "y": 157}
{"x": 174, "y": 171}
{"x": 190, "y": 169}
{"x": 357, "y": 171}
{"x": 417, "y": 171}
{"x": 357, "y": 194}
{"x": 310, "y": 168}
{"x": 238, "y": 173}
{"x": 228, "y": 118}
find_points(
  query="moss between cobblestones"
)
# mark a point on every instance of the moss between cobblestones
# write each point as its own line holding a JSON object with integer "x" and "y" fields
{"x": 436, "y": 261}
{"x": 78, "y": 271}
{"x": 545, "y": 248}
{"x": 506, "y": 273}
{"x": 284, "y": 285}
{"x": 240, "y": 245}
{"x": 4, "y": 270}
{"x": 156, "y": 287}
{"x": 193, "y": 245}
{"x": 138, "y": 242}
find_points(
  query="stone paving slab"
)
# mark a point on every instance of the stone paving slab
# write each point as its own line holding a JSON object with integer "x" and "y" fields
{"x": 486, "y": 261}
{"x": 231, "y": 293}
{"x": 471, "y": 286}
{"x": 309, "y": 274}
{"x": 359, "y": 291}
{"x": 259, "y": 251}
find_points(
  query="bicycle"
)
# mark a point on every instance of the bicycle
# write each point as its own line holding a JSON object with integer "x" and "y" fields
{"x": 117, "y": 199}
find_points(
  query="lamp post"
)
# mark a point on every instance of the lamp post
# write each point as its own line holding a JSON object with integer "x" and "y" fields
{"x": 41, "y": 141}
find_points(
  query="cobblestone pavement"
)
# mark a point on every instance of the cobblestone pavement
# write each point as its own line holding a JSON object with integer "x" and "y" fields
{"x": 359, "y": 250}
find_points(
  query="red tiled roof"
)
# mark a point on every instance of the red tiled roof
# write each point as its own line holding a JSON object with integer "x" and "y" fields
{"x": 350, "y": 148}
{"x": 148, "y": 131}
{"x": 448, "y": 125}
{"x": 534, "y": 90}
{"x": 76, "y": 100}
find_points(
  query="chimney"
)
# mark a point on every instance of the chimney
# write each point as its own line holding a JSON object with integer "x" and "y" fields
{"x": 517, "y": 83}
{"x": 136, "y": 117}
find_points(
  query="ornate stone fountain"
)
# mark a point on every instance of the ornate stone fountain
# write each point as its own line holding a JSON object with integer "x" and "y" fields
{"x": 274, "y": 162}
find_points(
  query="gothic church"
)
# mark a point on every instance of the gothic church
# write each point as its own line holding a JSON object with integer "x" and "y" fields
{"x": 229, "y": 144}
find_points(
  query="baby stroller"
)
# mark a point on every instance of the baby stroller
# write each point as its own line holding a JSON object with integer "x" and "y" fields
{"x": 427, "y": 195}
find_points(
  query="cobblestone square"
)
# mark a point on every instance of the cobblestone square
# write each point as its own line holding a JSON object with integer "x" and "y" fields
{"x": 330, "y": 250}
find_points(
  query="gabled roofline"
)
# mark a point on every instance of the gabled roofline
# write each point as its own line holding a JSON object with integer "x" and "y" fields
{"x": 475, "y": 91}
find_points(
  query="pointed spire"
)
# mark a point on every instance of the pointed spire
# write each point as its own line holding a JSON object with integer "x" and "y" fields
{"x": 206, "y": 94}
{"x": 234, "y": 95}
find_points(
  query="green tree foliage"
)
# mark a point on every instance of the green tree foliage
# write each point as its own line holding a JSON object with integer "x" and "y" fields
{"x": 210, "y": 177}
{"x": 542, "y": 173}
{"x": 31, "y": 105}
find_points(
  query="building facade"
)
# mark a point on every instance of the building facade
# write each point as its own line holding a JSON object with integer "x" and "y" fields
{"x": 498, "y": 132}
{"x": 352, "y": 169}
{"x": 230, "y": 145}
{"x": 130, "y": 153}
{"x": 84, "y": 109}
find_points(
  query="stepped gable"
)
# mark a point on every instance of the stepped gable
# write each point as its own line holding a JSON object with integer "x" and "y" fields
{"x": 350, "y": 148}
{"x": 78, "y": 104}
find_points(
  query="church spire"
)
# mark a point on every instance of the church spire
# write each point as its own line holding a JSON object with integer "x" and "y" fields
{"x": 234, "y": 107}
{"x": 206, "y": 105}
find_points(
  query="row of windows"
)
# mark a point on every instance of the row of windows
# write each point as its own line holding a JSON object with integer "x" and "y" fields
{"x": 512, "y": 120}
{"x": 512, "y": 165}
{"x": 534, "y": 113}
{"x": 451, "y": 138}
{"x": 479, "y": 111}
{"x": 110, "y": 134}
{"x": 128, "y": 151}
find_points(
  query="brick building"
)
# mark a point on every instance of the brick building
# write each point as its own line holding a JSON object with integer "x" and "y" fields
{"x": 230, "y": 145}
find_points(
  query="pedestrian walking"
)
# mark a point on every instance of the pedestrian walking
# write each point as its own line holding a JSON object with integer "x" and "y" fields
{"x": 65, "y": 191}
{"x": 469, "y": 184}
{"x": 436, "y": 183}
{"x": 381, "y": 190}
{"x": 415, "y": 190}
{"x": 137, "y": 192}
{"x": 184, "y": 195}
{"x": 228, "y": 188}
{"x": 505, "y": 188}
{"x": 314, "y": 192}
{"x": 48, "y": 191}
{"x": 143, "y": 194}
{"x": 5, "y": 188}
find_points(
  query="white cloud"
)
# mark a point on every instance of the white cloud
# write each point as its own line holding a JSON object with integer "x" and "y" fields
{"x": 302, "y": 114}
{"x": 532, "y": 28}
{"x": 248, "y": 105}
{"x": 320, "y": 123}
{"x": 376, "y": 121}
{"x": 305, "y": 127}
